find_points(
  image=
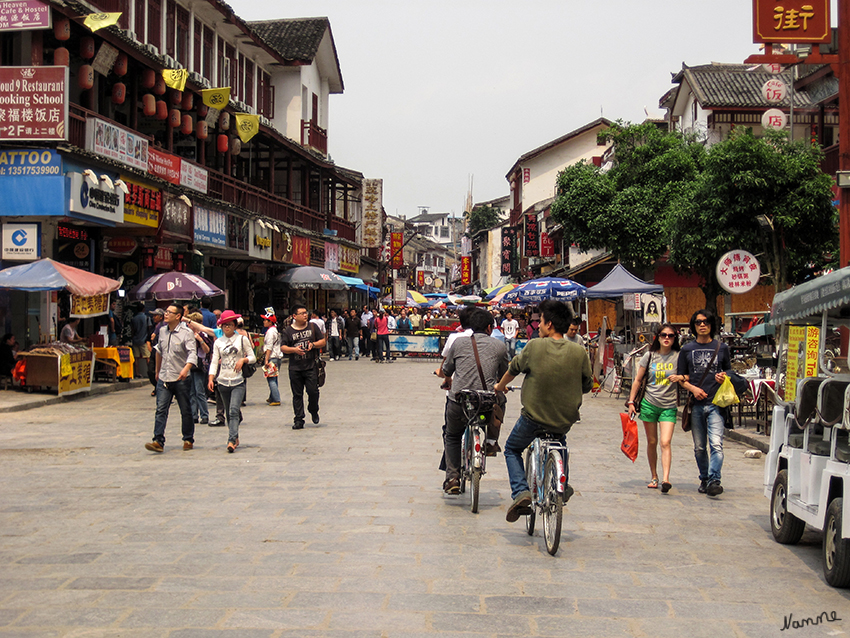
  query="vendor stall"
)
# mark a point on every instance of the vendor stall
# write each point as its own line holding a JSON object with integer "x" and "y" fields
{"x": 62, "y": 367}
{"x": 120, "y": 358}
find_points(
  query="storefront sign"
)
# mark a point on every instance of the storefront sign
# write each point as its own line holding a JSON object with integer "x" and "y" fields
{"x": 76, "y": 372}
{"x": 32, "y": 183}
{"x": 372, "y": 213}
{"x": 532, "y": 237}
{"x": 792, "y": 21}
{"x": 83, "y": 307}
{"x": 465, "y": 271}
{"x": 193, "y": 176}
{"x": 775, "y": 119}
{"x": 237, "y": 233}
{"x": 16, "y": 15}
{"x": 507, "y": 252}
{"x": 210, "y": 226}
{"x": 282, "y": 247}
{"x": 399, "y": 291}
{"x": 176, "y": 218}
{"x": 21, "y": 242}
{"x": 33, "y": 103}
{"x": 738, "y": 271}
{"x": 261, "y": 241}
{"x": 101, "y": 201}
{"x": 121, "y": 246}
{"x": 163, "y": 259}
{"x": 332, "y": 256}
{"x": 397, "y": 250}
{"x": 164, "y": 165}
{"x": 547, "y": 245}
{"x": 300, "y": 250}
{"x": 420, "y": 279}
{"x": 349, "y": 259}
{"x": 73, "y": 247}
{"x": 802, "y": 357}
{"x": 142, "y": 204}
{"x": 109, "y": 140}
{"x": 30, "y": 162}
{"x": 317, "y": 253}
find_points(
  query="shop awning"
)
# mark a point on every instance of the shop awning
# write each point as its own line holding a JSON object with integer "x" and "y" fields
{"x": 47, "y": 274}
{"x": 620, "y": 282}
{"x": 812, "y": 297}
{"x": 351, "y": 281}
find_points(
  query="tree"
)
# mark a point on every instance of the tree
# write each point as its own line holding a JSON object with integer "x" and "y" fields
{"x": 482, "y": 217}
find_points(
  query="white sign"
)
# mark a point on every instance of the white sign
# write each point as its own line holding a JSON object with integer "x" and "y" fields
{"x": 738, "y": 271}
{"x": 774, "y": 118}
{"x": 194, "y": 177}
{"x": 773, "y": 68}
{"x": 99, "y": 201}
{"x": 21, "y": 241}
{"x": 774, "y": 91}
{"x": 400, "y": 291}
{"x": 117, "y": 143}
{"x": 631, "y": 301}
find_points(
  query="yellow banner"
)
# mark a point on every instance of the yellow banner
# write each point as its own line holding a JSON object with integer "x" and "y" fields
{"x": 80, "y": 369}
{"x": 247, "y": 126}
{"x": 95, "y": 21}
{"x": 802, "y": 359}
{"x": 216, "y": 98}
{"x": 89, "y": 306}
{"x": 175, "y": 78}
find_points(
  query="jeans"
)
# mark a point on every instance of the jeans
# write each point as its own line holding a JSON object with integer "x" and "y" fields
{"x": 510, "y": 344}
{"x": 353, "y": 347}
{"x": 524, "y": 432}
{"x": 365, "y": 343}
{"x": 199, "y": 395}
{"x": 707, "y": 428}
{"x": 299, "y": 380}
{"x": 231, "y": 396}
{"x": 165, "y": 392}
{"x": 383, "y": 345}
{"x": 274, "y": 390}
{"x": 454, "y": 429}
{"x": 334, "y": 347}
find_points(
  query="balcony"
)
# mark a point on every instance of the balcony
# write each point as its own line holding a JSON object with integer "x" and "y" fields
{"x": 314, "y": 136}
{"x": 829, "y": 163}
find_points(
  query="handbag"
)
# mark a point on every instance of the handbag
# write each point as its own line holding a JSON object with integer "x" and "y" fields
{"x": 629, "y": 446}
{"x": 689, "y": 404}
{"x": 320, "y": 372}
{"x": 641, "y": 391}
{"x": 248, "y": 369}
{"x": 497, "y": 416}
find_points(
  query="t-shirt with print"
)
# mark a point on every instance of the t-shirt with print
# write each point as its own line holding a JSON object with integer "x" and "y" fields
{"x": 659, "y": 391}
{"x": 509, "y": 328}
{"x": 693, "y": 359}
{"x": 293, "y": 338}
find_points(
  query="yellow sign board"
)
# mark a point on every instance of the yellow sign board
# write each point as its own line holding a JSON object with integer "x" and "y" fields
{"x": 80, "y": 372}
{"x": 83, "y": 307}
{"x": 802, "y": 357}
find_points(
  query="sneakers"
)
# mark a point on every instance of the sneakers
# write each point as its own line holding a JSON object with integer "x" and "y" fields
{"x": 188, "y": 445}
{"x": 452, "y": 486}
{"x": 492, "y": 449}
{"x": 268, "y": 400}
{"x": 714, "y": 488}
{"x": 298, "y": 426}
{"x": 154, "y": 446}
{"x": 274, "y": 403}
{"x": 521, "y": 502}
{"x": 357, "y": 358}
{"x": 217, "y": 424}
{"x": 205, "y": 421}
{"x": 703, "y": 486}
{"x": 315, "y": 416}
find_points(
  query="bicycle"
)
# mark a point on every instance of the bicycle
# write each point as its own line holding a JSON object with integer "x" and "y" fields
{"x": 545, "y": 464}
{"x": 477, "y": 406}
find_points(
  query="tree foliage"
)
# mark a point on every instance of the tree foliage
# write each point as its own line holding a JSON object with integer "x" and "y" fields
{"x": 481, "y": 218}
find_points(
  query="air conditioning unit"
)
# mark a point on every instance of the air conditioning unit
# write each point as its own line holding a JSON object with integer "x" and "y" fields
{"x": 265, "y": 121}
{"x": 195, "y": 78}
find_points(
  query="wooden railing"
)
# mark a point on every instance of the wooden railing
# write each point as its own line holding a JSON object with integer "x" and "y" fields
{"x": 344, "y": 228}
{"x": 314, "y": 136}
{"x": 829, "y": 164}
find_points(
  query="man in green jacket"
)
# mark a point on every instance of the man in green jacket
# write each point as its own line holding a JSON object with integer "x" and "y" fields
{"x": 557, "y": 373}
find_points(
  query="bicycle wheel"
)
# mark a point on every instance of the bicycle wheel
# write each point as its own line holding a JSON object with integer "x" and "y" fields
{"x": 529, "y": 476}
{"x": 474, "y": 489}
{"x": 553, "y": 506}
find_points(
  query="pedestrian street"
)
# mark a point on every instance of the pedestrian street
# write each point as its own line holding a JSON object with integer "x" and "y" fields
{"x": 342, "y": 529}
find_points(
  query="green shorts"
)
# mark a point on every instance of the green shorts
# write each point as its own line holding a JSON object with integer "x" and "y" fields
{"x": 652, "y": 413}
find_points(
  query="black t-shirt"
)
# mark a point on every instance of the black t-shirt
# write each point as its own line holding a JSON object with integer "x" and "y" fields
{"x": 693, "y": 359}
{"x": 293, "y": 338}
{"x": 352, "y": 327}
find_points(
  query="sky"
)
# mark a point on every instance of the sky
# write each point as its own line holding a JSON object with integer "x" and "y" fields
{"x": 441, "y": 94}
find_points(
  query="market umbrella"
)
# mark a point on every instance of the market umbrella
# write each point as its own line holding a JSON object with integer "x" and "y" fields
{"x": 311, "y": 277}
{"x": 537, "y": 290}
{"x": 46, "y": 274}
{"x": 760, "y": 330}
{"x": 496, "y": 293}
{"x": 174, "y": 285}
{"x": 414, "y": 300}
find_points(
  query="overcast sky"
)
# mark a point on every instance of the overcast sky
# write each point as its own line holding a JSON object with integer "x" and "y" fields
{"x": 441, "y": 92}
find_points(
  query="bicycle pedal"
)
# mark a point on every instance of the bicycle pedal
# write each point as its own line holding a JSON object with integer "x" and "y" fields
{"x": 525, "y": 511}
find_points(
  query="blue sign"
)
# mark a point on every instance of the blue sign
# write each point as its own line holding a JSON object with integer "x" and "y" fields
{"x": 33, "y": 183}
{"x": 210, "y": 226}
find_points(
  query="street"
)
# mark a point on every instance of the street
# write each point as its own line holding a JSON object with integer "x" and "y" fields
{"x": 342, "y": 529}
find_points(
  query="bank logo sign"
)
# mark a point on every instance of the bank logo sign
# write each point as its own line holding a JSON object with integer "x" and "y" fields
{"x": 21, "y": 242}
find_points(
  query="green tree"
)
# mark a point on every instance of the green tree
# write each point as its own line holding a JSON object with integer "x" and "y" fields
{"x": 482, "y": 217}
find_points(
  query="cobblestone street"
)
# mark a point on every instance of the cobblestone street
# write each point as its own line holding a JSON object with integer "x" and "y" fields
{"x": 342, "y": 529}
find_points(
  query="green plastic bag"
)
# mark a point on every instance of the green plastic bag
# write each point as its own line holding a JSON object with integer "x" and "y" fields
{"x": 726, "y": 394}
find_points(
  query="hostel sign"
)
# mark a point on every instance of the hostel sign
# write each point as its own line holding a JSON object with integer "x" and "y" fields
{"x": 791, "y": 21}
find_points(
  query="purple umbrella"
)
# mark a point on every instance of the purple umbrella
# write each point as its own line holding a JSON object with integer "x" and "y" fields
{"x": 174, "y": 285}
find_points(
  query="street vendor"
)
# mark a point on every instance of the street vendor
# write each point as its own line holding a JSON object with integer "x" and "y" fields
{"x": 69, "y": 332}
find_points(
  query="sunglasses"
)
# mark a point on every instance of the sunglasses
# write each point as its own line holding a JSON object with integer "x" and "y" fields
{"x": 701, "y": 322}
{"x": 667, "y": 335}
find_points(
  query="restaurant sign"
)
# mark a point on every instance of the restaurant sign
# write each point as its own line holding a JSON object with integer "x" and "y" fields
{"x": 738, "y": 271}
{"x": 791, "y": 21}
{"x": 33, "y": 103}
{"x": 115, "y": 142}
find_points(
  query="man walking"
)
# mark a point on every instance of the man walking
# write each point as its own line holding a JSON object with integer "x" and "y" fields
{"x": 176, "y": 355}
{"x": 557, "y": 373}
{"x": 510, "y": 327}
{"x": 702, "y": 363}
{"x": 352, "y": 335}
{"x": 141, "y": 334}
{"x": 302, "y": 341}
{"x": 366, "y": 345}
{"x": 210, "y": 318}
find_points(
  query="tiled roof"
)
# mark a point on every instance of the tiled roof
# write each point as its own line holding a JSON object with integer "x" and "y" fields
{"x": 719, "y": 85}
{"x": 295, "y": 39}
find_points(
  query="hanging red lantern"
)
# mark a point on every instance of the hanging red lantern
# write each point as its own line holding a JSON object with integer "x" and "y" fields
{"x": 159, "y": 85}
{"x": 148, "y": 105}
{"x": 61, "y": 28}
{"x": 236, "y": 146}
{"x": 188, "y": 101}
{"x": 224, "y": 121}
{"x": 61, "y": 57}
{"x": 201, "y": 130}
{"x": 176, "y": 97}
{"x": 148, "y": 78}
{"x": 87, "y": 47}
{"x": 186, "y": 126}
{"x": 161, "y": 110}
{"x": 222, "y": 143}
{"x": 86, "y": 77}
{"x": 203, "y": 109}
{"x": 119, "y": 92}
{"x": 174, "y": 120}
{"x": 120, "y": 66}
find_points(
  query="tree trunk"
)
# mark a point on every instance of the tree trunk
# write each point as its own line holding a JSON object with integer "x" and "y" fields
{"x": 710, "y": 289}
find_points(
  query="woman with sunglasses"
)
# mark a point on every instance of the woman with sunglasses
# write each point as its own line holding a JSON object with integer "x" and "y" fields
{"x": 658, "y": 408}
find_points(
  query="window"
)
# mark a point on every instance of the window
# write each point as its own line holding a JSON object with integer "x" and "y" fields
{"x": 154, "y": 22}
{"x": 249, "y": 83}
{"x": 206, "y": 56}
{"x": 199, "y": 47}
{"x": 444, "y": 231}
{"x": 182, "y": 44}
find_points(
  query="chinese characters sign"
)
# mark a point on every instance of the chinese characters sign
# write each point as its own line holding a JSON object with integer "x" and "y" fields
{"x": 802, "y": 358}
{"x": 24, "y": 14}
{"x": 791, "y": 21}
{"x": 116, "y": 143}
{"x": 93, "y": 306}
{"x": 142, "y": 205}
{"x": 397, "y": 250}
{"x": 372, "y": 206}
{"x": 349, "y": 259}
{"x": 21, "y": 241}
{"x": 532, "y": 236}
{"x": 547, "y": 245}
{"x": 774, "y": 118}
{"x": 76, "y": 372}
{"x": 300, "y": 250}
{"x": 210, "y": 226}
{"x": 774, "y": 91}
{"x": 507, "y": 251}
{"x": 465, "y": 271}
{"x": 173, "y": 169}
{"x": 738, "y": 271}
{"x": 33, "y": 103}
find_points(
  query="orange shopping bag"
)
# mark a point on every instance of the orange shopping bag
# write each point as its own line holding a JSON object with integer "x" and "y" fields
{"x": 629, "y": 446}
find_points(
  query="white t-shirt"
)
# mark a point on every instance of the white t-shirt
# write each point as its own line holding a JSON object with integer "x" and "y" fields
{"x": 509, "y": 328}
{"x": 453, "y": 337}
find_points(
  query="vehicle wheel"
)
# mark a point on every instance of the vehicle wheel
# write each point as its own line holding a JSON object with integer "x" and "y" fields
{"x": 787, "y": 528}
{"x": 553, "y": 507}
{"x": 836, "y": 550}
{"x": 474, "y": 489}
{"x": 529, "y": 476}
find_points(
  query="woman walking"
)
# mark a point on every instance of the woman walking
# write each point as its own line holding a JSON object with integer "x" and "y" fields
{"x": 658, "y": 408}
{"x": 231, "y": 351}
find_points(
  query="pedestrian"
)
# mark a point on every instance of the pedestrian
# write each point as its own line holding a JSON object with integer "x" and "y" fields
{"x": 573, "y": 335}
{"x": 557, "y": 373}
{"x": 157, "y": 317}
{"x": 210, "y": 320}
{"x": 366, "y": 345}
{"x": 381, "y": 327}
{"x": 336, "y": 329}
{"x": 231, "y": 352}
{"x": 415, "y": 320}
{"x": 352, "y": 334}
{"x": 510, "y": 327}
{"x": 702, "y": 363}
{"x": 302, "y": 341}
{"x": 139, "y": 343}
{"x": 176, "y": 355}
{"x": 658, "y": 408}
{"x": 403, "y": 326}
{"x": 203, "y": 343}
{"x": 272, "y": 357}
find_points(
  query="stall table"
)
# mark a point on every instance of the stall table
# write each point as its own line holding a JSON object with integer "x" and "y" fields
{"x": 122, "y": 358}
{"x": 68, "y": 373}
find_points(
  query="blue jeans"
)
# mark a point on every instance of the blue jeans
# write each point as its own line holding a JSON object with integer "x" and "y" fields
{"x": 707, "y": 428}
{"x": 231, "y": 396}
{"x": 274, "y": 390}
{"x": 353, "y": 347}
{"x": 524, "y": 432}
{"x": 510, "y": 344}
{"x": 383, "y": 346}
{"x": 182, "y": 391}
{"x": 199, "y": 395}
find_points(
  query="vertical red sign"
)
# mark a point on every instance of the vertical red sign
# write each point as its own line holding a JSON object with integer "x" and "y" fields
{"x": 465, "y": 271}
{"x": 397, "y": 250}
{"x": 300, "y": 250}
{"x": 532, "y": 237}
{"x": 547, "y": 245}
{"x": 420, "y": 278}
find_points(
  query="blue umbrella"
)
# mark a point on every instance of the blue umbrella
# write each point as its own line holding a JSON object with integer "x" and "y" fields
{"x": 537, "y": 290}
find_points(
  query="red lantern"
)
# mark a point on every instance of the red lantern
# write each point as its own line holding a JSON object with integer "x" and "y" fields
{"x": 186, "y": 126}
{"x": 161, "y": 110}
{"x": 222, "y": 143}
{"x": 148, "y": 105}
{"x": 203, "y": 109}
{"x": 119, "y": 92}
{"x": 188, "y": 101}
{"x": 61, "y": 28}
{"x": 120, "y": 67}
{"x": 174, "y": 120}
{"x": 86, "y": 77}
{"x": 61, "y": 57}
{"x": 148, "y": 78}
{"x": 201, "y": 130}
{"x": 236, "y": 147}
{"x": 87, "y": 47}
{"x": 159, "y": 85}
{"x": 224, "y": 121}
{"x": 176, "y": 97}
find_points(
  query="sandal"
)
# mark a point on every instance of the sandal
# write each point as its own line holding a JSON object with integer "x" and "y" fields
{"x": 653, "y": 484}
{"x": 231, "y": 448}
{"x": 665, "y": 487}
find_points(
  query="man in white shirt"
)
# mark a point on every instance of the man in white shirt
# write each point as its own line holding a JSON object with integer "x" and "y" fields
{"x": 510, "y": 327}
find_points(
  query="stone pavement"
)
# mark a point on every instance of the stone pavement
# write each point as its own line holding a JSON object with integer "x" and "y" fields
{"x": 342, "y": 529}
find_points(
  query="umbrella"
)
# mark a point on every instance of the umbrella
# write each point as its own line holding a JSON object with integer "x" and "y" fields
{"x": 536, "y": 290}
{"x": 466, "y": 299}
{"x": 499, "y": 291}
{"x": 414, "y": 300}
{"x": 760, "y": 330}
{"x": 46, "y": 274}
{"x": 174, "y": 285}
{"x": 311, "y": 277}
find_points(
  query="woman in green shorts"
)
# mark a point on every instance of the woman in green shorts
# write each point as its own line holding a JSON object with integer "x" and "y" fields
{"x": 658, "y": 408}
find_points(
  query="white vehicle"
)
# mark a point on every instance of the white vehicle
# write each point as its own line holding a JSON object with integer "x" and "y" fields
{"x": 807, "y": 470}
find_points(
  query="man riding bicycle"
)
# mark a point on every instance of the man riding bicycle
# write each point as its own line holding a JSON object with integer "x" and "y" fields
{"x": 557, "y": 373}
